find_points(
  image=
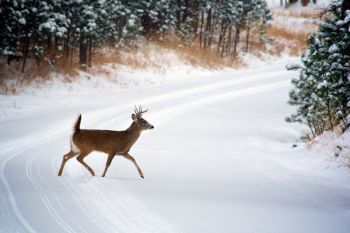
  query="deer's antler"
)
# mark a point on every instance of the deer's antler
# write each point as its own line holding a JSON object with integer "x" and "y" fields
{"x": 139, "y": 111}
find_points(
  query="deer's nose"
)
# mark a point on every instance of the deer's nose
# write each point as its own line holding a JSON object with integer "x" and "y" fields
{"x": 152, "y": 127}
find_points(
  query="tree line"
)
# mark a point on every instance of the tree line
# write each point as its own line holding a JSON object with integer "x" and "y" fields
{"x": 46, "y": 30}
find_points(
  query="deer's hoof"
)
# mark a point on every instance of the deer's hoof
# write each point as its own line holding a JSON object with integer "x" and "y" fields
{"x": 142, "y": 177}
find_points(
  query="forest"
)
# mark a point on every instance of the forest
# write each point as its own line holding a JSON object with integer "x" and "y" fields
{"x": 60, "y": 29}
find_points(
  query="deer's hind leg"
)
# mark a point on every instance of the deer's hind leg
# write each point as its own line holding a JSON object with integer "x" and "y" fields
{"x": 81, "y": 157}
{"x": 65, "y": 158}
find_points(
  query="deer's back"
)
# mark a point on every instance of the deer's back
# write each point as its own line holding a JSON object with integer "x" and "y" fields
{"x": 102, "y": 140}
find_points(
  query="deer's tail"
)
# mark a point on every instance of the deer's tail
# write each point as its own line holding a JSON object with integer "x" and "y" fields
{"x": 76, "y": 126}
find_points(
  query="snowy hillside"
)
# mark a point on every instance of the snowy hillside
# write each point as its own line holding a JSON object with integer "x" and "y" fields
{"x": 220, "y": 159}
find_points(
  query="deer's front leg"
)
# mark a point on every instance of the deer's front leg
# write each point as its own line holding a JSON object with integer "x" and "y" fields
{"x": 129, "y": 157}
{"x": 108, "y": 163}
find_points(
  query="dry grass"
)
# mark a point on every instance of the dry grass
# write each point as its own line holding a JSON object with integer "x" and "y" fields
{"x": 12, "y": 79}
{"x": 291, "y": 29}
{"x": 193, "y": 55}
{"x": 287, "y": 41}
{"x": 154, "y": 55}
{"x": 304, "y": 14}
{"x": 142, "y": 58}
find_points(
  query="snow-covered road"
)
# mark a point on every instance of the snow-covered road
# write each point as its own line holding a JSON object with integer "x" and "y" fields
{"x": 220, "y": 159}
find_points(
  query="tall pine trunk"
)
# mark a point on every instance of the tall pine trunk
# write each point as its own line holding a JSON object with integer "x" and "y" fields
{"x": 211, "y": 29}
{"x": 90, "y": 52}
{"x": 207, "y": 29}
{"x": 201, "y": 30}
{"x": 329, "y": 114}
{"x": 236, "y": 40}
{"x": 25, "y": 53}
{"x": 220, "y": 37}
{"x": 229, "y": 42}
{"x": 248, "y": 31}
{"x": 83, "y": 53}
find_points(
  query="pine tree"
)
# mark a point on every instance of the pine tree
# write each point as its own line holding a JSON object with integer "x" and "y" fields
{"x": 322, "y": 92}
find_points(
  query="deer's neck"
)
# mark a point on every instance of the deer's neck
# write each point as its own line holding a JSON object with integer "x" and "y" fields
{"x": 134, "y": 132}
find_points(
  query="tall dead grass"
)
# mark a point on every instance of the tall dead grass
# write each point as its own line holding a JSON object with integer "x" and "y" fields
{"x": 287, "y": 41}
{"x": 305, "y": 13}
{"x": 289, "y": 36}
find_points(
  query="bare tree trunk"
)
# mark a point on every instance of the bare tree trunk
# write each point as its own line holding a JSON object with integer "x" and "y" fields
{"x": 83, "y": 53}
{"x": 25, "y": 53}
{"x": 201, "y": 30}
{"x": 211, "y": 30}
{"x": 71, "y": 56}
{"x": 329, "y": 115}
{"x": 248, "y": 31}
{"x": 229, "y": 42}
{"x": 311, "y": 129}
{"x": 66, "y": 45}
{"x": 178, "y": 14}
{"x": 305, "y": 2}
{"x": 90, "y": 52}
{"x": 223, "y": 42}
{"x": 220, "y": 37}
{"x": 236, "y": 40}
{"x": 195, "y": 24}
{"x": 207, "y": 29}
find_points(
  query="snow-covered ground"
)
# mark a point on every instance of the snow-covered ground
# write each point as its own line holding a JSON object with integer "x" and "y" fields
{"x": 319, "y": 3}
{"x": 220, "y": 159}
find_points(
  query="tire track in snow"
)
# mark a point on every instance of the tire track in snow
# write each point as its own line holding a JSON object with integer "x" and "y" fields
{"x": 63, "y": 182}
{"x": 30, "y": 142}
{"x": 45, "y": 198}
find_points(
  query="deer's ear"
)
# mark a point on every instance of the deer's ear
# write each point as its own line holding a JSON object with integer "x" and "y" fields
{"x": 133, "y": 117}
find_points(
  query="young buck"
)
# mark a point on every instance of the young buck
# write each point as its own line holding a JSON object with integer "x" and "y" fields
{"x": 85, "y": 141}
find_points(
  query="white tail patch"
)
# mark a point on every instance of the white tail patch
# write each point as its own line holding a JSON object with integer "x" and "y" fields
{"x": 74, "y": 147}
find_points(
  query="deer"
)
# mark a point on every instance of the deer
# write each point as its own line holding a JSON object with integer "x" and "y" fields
{"x": 85, "y": 141}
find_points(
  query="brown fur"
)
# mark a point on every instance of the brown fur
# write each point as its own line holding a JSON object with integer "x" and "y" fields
{"x": 110, "y": 142}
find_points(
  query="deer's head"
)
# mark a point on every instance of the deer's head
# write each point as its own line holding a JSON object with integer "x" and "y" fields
{"x": 141, "y": 123}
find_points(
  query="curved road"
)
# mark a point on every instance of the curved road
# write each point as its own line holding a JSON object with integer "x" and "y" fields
{"x": 219, "y": 160}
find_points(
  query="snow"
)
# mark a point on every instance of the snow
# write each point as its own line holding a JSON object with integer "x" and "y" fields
{"x": 295, "y": 24}
{"x": 319, "y": 3}
{"x": 333, "y": 143}
{"x": 220, "y": 159}
{"x": 131, "y": 22}
{"x": 22, "y": 21}
{"x": 50, "y": 25}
